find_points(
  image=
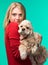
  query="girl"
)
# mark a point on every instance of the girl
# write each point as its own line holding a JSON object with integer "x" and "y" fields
{"x": 15, "y": 14}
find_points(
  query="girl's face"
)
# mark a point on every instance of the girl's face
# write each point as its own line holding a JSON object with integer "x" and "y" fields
{"x": 16, "y": 15}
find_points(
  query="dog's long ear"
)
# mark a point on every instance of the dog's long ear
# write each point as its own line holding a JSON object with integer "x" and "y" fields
{"x": 38, "y": 37}
{"x": 31, "y": 31}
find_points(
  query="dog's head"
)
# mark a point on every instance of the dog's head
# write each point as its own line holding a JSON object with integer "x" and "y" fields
{"x": 25, "y": 28}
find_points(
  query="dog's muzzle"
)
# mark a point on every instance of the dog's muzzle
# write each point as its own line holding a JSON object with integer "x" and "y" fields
{"x": 23, "y": 29}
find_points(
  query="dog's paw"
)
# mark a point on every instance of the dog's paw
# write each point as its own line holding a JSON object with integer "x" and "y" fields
{"x": 33, "y": 50}
{"x": 23, "y": 55}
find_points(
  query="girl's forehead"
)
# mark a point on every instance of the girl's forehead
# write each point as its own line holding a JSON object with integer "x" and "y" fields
{"x": 17, "y": 9}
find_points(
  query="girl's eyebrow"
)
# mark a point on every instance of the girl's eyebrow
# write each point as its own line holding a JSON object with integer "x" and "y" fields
{"x": 13, "y": 13}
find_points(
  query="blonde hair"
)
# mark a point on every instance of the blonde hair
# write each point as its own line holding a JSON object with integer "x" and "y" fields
{"x": 12, "y": 6}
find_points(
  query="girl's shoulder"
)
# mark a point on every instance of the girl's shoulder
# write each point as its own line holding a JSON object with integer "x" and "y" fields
{"x": 12, "y": 26}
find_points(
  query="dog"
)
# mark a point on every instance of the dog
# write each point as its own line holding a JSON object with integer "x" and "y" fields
{"x": 28, "y": 39}
{"x": 32, "y": 40}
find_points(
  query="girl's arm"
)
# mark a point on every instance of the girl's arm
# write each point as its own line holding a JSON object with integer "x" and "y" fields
{"x": 14, "y": 40}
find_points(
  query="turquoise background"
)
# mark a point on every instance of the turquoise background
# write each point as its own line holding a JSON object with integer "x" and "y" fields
{"x": 36, "y": 12}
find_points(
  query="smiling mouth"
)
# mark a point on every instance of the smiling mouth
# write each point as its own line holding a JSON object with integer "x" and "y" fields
{"x": 16, "y": 20}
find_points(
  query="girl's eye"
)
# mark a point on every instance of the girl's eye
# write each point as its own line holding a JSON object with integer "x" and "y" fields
{"x": 20, "y": 14}
{"x": 27, "y": 27}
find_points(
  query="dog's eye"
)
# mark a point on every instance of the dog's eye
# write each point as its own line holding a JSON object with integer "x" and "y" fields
{"x": 21, "y": 26}
{"x": 27, "y": 27}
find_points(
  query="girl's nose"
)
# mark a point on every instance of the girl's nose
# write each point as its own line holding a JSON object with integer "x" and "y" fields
{"x": 17, "y": 17}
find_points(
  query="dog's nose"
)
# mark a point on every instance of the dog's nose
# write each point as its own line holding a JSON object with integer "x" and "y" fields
{"x": 23, "y": 29}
